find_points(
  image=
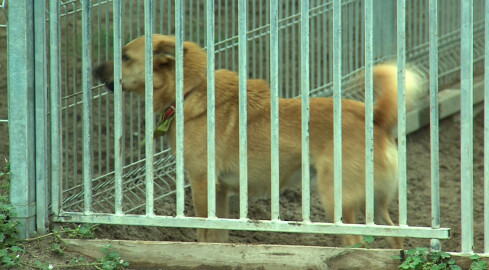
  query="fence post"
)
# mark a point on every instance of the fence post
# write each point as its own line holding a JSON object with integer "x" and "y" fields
{"x": 20, "y": 51}
{"x": 41, "y": 121}
{"x": 385, "y": 25}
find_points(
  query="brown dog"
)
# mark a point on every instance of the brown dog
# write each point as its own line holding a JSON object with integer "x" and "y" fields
{"x": 227, "y": 158}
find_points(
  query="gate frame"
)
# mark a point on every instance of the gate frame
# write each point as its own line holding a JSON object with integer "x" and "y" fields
{"x": 29, "y": 121}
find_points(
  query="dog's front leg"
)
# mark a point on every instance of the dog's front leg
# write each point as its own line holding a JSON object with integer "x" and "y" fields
{"x": 199, "y": 195}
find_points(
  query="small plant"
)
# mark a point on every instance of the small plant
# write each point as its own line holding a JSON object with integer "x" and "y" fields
{"x": 422, "y": 259}
{"x": 112, "y": 259}
{"x": 8, "y": 227}
{"x": 4, "y": 178}
{"x": 366, "y": 241}
{"x": 477, "y": 263}
{"x": 10, "y": 256}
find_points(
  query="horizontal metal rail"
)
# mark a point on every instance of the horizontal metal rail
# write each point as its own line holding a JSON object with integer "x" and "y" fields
{"x": 258, "y": 225}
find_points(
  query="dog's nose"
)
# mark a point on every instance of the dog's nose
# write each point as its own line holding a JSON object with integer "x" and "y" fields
{"x": 109, "y": 85}
{"x": 97, "y": 72}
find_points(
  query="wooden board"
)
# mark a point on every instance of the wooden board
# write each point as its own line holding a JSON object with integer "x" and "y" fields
{"x": 180, "y": 255}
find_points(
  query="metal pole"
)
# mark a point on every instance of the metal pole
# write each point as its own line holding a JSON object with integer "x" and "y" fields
{"x": 305, "y": 88}
{"x": 369, "y": 114}
{"x": 243, "y": 111}
{"x": 87, "y": 103}
{"x": 148, "y": 102}
{"x": 466, "y": 127}
{"x": 41, "y": 115}
{"x": 338, "y": 149}
{"x": 118, "y": 107}
{"x": 434, "y": 123}
{"x": 20, "y": 51}
{"x": 179, "y": 107}
{"x": 274, "y": 107}
{"x": 211, "y": 113}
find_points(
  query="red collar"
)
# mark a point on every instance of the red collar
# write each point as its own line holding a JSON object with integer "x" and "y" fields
{"x": 170, "y": 111}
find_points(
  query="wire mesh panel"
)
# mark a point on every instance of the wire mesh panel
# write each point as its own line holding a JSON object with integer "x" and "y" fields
{"x": 226, "y": 48}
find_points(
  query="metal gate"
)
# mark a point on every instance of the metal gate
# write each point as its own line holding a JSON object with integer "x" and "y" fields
{"x": 303, "y": 48}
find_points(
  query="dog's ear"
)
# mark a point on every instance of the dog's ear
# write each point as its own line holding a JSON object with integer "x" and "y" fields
{"x": 164, "y": 52}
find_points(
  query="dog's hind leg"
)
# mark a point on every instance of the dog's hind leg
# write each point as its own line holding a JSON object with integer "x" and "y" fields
{"x": 382, "y": 218}
{"x": 326, "y": 194}
{"x": 199, "y": 196}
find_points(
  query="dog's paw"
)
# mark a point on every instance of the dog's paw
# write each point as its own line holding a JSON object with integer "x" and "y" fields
{"x": 212, "y": 236}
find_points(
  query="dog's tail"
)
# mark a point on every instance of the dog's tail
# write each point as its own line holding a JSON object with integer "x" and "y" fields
{"x": 385, "y": 87}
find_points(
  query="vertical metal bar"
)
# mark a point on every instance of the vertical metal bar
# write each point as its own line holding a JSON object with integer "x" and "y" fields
{"x": 369, "y": 114}
{"x": 358, "y": 33}
{"x": 148, "y": 105}
{"x": 401, "y": 102}
{"x": 66, "y": 102}
{"x": 153, "y": 15}
{"x": 306, "y": 164}
{"x": 107, "y": 101}
{"x": 122, "y": 19}
{"x": 466, "y": 127}
{"x": 179, "y": 108}
{"x": 198, "y": 23}
{"x": 118, "y": 107}
{"x": 294, "y": 86}
{"x": 87, "y": 103}
{"x": 100, "y": 89}
{"x": 233, "y": 33}
{"x": 20, "y": 53}
{"x": 243, "y": 111}
{"x": 41, "y": 109}
{"x": 338, "y": 193}
{"x": 74, "y": 88}
{"x": 313, "y": 49}
{"x": 55, "y": 106}
{"x": 351, "y": 36}
{"x": 161, "y": 16}
{"x": 261, "y": 50}
{"x": 486, "y": 130}
{"x": 191, "y": 26}
{"x": 287, "y": 61}
{"x": 385, "y": 27}
{"x": 434, "y": 123}
{"x": 138, "y": 34}
{"x": 132, "y": 97}
{"x": 256, "y": 42}
{"x": 226, "y": 32}
{"x": 324, "y": 39}
{"x": 211, "y": 114}
{"x": 275, "y": 162}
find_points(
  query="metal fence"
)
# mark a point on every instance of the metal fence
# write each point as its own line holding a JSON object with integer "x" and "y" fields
{"x": 77, "y": 122}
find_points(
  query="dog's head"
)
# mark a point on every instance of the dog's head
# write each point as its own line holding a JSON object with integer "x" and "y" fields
{"x": 133, "y": 69}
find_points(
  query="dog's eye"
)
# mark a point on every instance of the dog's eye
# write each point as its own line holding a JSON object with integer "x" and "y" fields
{"x": 125, "y": 58}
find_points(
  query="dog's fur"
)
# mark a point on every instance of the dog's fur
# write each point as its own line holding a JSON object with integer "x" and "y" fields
{"x": 227, "y": 157}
